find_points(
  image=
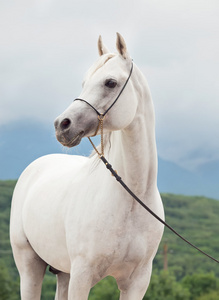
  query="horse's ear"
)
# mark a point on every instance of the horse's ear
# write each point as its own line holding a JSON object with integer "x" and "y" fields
{"x": 101, "y": 47}
{"x": 121, "y": 46}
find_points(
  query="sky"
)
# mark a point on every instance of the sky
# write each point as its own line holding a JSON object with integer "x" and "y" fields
{"x": 46, "y": 47}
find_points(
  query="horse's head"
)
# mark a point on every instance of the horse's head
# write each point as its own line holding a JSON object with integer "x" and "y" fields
{"x": 102, "y": 85}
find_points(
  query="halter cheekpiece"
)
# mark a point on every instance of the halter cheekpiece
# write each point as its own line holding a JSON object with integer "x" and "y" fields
{"x": 101, "y": 116}
{"x": 119, "y": 179}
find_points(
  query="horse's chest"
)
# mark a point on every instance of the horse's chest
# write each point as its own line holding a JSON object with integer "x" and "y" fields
{"x": 107, "y": 240}
{"x": 105, "y": 226}
{"x": 117, "y": 255}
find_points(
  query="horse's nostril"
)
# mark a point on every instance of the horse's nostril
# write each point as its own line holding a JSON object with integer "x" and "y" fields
{"x": 65, "y": 124}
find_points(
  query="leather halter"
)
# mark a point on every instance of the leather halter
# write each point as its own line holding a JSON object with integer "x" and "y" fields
{"x": 101, "y": 117}
{"x": 119, "y": 179}
{"x": 103, "y": 114}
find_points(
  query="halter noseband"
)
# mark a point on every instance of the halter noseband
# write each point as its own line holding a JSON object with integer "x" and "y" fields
{"x": 101, "y": 117}
{"x": 119, "y": 179}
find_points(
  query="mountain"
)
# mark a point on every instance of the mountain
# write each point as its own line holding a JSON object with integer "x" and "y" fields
{"x": 203, "y": 181}
{"x": 21, "y": 143}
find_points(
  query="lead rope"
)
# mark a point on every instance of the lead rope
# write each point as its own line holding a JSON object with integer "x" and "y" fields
{"x": 100, "y": 125}
{"x": 119, "y": 179}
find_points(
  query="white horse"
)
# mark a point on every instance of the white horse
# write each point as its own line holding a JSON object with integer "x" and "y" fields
{"x": 70, "y": 213}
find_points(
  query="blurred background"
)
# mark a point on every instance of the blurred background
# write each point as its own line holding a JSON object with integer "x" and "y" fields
{"x": 48, "y": 45}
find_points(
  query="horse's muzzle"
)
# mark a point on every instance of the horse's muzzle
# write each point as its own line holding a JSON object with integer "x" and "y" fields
{"x": 67, "y": 140}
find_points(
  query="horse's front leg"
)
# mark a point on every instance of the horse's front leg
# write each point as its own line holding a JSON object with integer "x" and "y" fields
{"x": 80, "y": 280}
{"x": 31, "y": 269}
{"x": 134, "y": 288}
{"x": 62, "y": 286}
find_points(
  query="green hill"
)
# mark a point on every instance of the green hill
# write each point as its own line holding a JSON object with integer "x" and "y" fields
{"x": 196, "y": 218}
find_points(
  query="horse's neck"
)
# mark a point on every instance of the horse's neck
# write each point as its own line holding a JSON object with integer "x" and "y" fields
{"x": 132, "y": 151}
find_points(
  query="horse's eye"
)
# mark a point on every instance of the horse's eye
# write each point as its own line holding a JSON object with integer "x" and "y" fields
{"x": 110, "y": 83}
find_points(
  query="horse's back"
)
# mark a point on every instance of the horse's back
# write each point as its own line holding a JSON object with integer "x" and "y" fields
{"x": 46, "y": 168}
{"x": 38, "y": 199}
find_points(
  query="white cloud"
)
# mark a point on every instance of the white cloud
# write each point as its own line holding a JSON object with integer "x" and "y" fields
{"x": 46, "y": 47}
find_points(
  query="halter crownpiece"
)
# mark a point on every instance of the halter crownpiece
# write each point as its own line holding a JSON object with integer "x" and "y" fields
{"x": 101, "y": 117}
{"x": 119, "y": 179}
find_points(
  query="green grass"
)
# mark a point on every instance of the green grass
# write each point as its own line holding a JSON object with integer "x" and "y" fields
{"x": 196, "y": 218}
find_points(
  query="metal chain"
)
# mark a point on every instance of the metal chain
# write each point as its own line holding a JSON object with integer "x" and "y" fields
{"x": 100, "y": 125}
{"x": 101, "y": 118}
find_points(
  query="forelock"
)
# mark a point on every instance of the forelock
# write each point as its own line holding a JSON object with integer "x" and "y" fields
{"x": 99, "y": 64}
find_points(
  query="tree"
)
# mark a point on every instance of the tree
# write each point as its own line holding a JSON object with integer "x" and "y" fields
{"x": 9, "y": 290}
{"x": 199, "y": 284}
{"x": 213, "y": 295}
{"x": 164, "y": 286}
{"x": 49, "y": 287}
{"x": 106, "y": 289}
